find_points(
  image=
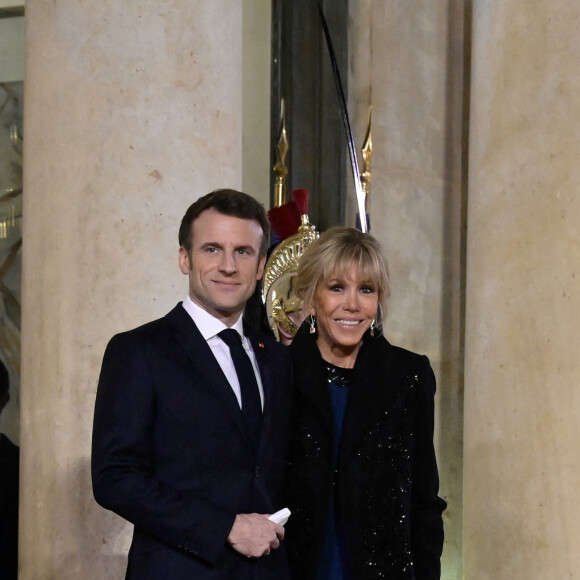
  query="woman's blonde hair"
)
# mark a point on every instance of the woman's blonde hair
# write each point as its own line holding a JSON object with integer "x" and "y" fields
{"x": 336, "y": 251}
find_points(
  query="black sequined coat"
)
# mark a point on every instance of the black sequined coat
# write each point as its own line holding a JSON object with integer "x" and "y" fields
{"x": 385, "y": 481}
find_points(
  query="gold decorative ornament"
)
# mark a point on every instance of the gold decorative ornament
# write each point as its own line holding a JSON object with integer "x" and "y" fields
{"x": 280, "y": 168}
{"x": 367, "y": 153}
{"x": 283, "y": 307}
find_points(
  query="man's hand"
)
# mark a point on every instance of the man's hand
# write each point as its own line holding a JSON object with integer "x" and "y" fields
{"x": 254, "y": 535}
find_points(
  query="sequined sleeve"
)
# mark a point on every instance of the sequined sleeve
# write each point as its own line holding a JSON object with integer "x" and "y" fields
{"x": 427, "y": 506}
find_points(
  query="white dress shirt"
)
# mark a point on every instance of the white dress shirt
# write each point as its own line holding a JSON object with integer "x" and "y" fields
{"x": 209, "y": 326}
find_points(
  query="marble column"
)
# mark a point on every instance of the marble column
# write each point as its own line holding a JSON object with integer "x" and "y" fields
{"x": 132, "y": 111}
{"x": 522, "y": 370}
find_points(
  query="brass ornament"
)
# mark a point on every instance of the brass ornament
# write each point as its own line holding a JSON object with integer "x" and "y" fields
{"x": 280, "y": 168}
{"x": 367, "y": 154}
{"x": 283, "y": 307}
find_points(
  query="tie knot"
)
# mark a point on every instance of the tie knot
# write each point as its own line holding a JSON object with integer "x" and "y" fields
{"x": 231, "y": 337}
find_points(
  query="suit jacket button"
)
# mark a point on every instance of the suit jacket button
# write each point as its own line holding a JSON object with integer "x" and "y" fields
{"x": 257, "y": 471}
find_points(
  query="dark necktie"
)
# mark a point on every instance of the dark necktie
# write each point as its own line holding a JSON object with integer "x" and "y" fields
{"x": 251, "y": 405}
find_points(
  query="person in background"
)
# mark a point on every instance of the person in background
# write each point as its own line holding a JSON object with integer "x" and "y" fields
{"x": 190, "y": 426}
{"x": 9, "y": 481}
{"x": 363, "y": 481}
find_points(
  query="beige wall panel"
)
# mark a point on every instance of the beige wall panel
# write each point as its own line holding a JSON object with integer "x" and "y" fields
{"x": 257, "y": 54}
{"x": 132, "y": 111}
{"x": 522, "y": 402}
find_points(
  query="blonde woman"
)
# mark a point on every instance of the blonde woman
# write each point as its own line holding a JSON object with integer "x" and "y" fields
{"x": 363, "y": 481}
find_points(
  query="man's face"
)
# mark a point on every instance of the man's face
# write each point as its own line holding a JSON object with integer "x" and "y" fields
{"x": 224, "y": 263}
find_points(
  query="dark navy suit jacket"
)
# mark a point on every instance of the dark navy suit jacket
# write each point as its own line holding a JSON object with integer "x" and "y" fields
{"x": 171, "y": 455}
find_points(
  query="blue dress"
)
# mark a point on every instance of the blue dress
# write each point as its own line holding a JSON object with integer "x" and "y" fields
{"x": 332, "y": 565}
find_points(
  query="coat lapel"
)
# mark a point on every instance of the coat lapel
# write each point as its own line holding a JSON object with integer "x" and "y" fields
{"x": 310, "y": 375}
{"x": 376, "y": 381}
{"x": 374, "y": 384}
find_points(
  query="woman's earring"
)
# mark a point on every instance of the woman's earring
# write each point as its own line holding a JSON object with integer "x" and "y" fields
{"x": 373, "y": 325}
{"x": 312, "y": 324}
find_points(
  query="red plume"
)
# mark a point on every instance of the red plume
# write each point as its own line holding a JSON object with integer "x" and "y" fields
{"x": 300, "y": 197}
{"x": 284, "y": 220}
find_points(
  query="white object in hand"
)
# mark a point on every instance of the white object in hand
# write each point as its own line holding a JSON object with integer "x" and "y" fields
{"x": 281, "y": 516}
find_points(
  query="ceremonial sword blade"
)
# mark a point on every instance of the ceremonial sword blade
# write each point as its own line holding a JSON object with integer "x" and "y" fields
{"x": 360, "y": 196}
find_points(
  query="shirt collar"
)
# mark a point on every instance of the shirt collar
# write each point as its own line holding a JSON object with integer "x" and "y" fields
{"x": 207, "y": 324}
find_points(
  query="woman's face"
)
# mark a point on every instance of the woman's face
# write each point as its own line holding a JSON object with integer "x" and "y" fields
{"x": 344, "y": 305}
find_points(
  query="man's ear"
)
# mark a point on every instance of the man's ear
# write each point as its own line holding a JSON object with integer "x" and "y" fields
{"x": 261, "y": 265}
{"x": 184, "y": 261}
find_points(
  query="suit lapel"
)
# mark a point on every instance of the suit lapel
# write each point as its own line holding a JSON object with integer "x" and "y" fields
{"x": 205, "y": 364}
{"x": 262, "y": 350}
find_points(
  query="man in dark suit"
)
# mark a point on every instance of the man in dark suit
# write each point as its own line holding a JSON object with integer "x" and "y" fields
{"x": 173, "y": 449}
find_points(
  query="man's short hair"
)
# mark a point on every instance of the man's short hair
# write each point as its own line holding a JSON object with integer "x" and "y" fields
{"x": 228, "y": 202}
